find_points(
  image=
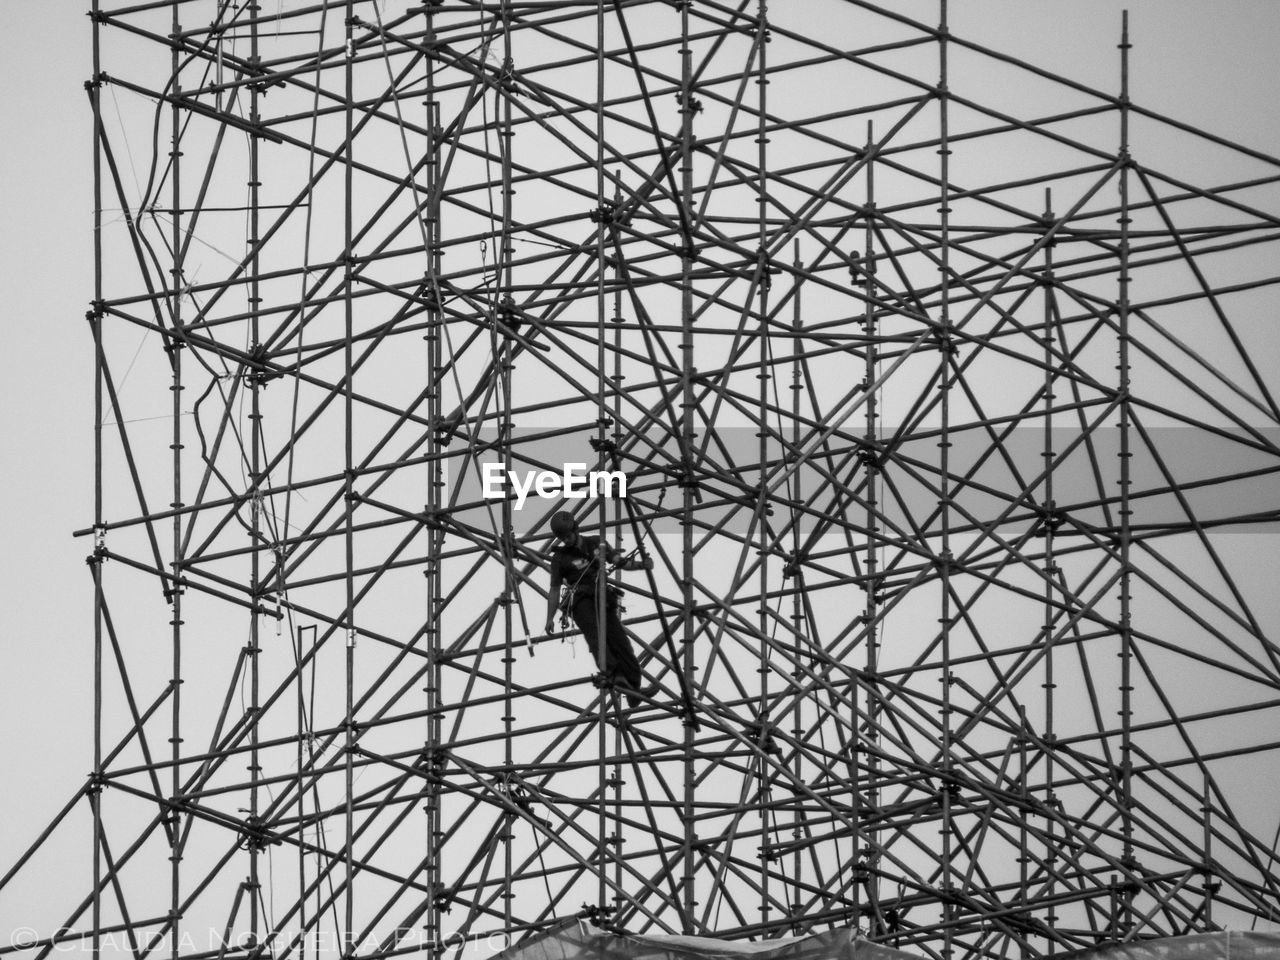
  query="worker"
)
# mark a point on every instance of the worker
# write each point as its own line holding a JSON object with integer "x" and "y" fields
{"x": 574, "y": 565}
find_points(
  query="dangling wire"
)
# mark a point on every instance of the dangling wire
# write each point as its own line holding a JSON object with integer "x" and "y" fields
{"x": 500, "y": 538}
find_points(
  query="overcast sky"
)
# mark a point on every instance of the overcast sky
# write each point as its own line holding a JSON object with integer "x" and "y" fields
{"x": 1212, "y": 65}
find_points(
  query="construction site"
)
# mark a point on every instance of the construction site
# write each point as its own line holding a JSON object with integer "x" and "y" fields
{"x": 922, "y": 398}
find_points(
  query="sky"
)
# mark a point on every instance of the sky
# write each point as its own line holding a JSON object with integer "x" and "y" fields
{"x": 1211, "y": 65}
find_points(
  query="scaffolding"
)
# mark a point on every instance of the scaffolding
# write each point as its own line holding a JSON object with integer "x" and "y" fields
{"x": 939, "y": 384}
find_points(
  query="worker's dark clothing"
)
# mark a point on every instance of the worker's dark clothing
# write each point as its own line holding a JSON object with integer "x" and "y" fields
{"x": 578, "y": 572}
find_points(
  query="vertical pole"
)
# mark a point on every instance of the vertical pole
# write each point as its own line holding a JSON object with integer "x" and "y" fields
{"x": 602, "y": 420}
{"x": 872, "y": 563}
{"x": 300, "y": 713}
{"x": 944, "y": 464}
{"x": 1126, "y": 636}
{"x": 504, "y": 283}
{"x": 763, "y": 281}
{"x": 1024, "y": 789}
{"x": 255, "y": 470}
{"x": 304, "y": 715}
{"x": 348, "y": 446}
{"x": 618, "y": 745}
{"x": 1210, "y": 884}
{"x": 1050, "y": 572}
{"x": 871, "y": 560}
{"x": 687, "y": 437}
{"x": 95, "y": 322}
{"x": 435, "y": 495}
{"x": 797, "y": 600}
{"x": 175, "y": 360}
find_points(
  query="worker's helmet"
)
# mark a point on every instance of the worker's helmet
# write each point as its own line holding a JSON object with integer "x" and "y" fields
{"x": 563, "y": 524}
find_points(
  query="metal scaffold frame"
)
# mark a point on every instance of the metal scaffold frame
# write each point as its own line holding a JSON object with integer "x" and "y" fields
{"x": 939, "y": 385}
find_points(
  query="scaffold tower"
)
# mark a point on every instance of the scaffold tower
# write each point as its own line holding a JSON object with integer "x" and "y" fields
{"x": 942, "y": 386}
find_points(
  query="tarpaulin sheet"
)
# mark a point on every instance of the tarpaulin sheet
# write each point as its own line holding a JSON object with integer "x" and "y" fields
{"x": 1222, "y": 945}
{"x": 579, "y": 941}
